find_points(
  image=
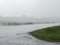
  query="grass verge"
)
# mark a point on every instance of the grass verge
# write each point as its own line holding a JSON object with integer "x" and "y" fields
{"x": 48, "y": 34}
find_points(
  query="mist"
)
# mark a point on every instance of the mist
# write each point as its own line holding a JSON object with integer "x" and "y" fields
{"x": 32, "y": 8}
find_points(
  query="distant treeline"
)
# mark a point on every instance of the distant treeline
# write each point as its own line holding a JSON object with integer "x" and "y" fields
{"x": 25, "y": 23}
{"x": 14, "y": 23}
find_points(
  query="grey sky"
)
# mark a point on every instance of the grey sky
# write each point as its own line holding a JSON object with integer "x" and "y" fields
{"x": 36, "y": 8}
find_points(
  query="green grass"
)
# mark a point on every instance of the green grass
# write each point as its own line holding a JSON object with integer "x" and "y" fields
{"x": 48, "y": 34}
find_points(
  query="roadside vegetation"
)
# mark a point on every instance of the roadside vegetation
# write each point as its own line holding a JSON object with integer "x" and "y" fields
{"x": 16, "y": 23}
{"x": 48, "y": 34}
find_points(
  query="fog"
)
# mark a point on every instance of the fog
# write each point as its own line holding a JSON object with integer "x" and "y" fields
{"x": 32, "y": 8}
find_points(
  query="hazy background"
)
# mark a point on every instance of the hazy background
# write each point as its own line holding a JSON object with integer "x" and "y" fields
{"x": 32, "y": 8}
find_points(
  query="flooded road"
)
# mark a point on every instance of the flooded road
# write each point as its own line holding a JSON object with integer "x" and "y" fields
{"x": 18, "y": 35}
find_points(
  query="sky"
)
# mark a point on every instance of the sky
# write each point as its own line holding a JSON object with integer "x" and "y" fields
{"x": 32, "y": 8}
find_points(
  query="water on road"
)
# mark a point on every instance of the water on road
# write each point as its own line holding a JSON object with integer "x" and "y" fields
{"x": 18, "y": 35}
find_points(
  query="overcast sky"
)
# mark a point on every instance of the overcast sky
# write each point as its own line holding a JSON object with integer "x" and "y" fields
{"x": 35, "y": 8}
